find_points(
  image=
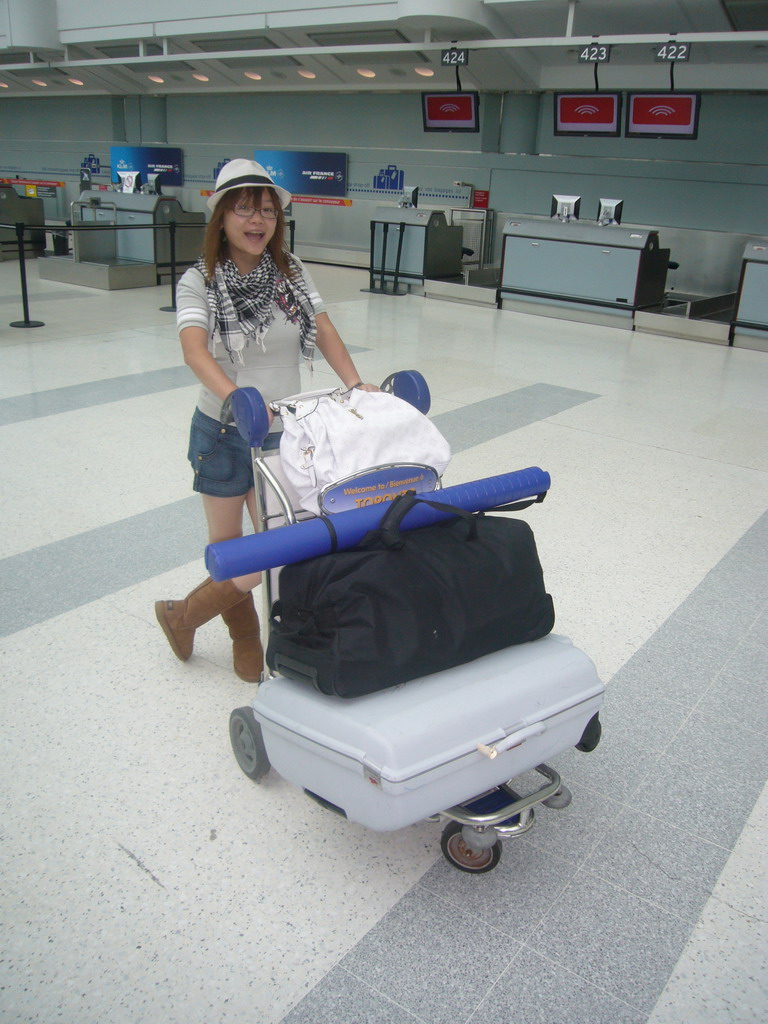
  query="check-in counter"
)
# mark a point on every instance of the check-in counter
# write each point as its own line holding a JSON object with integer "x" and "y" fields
{"x": 129, "y": 209}
{"x": 16, "y": 209}
{"x": 613, "y": 268}
{"x": 409, "y": 245}
{"x": 132, "y": 249}
{"x": 750, "y": 326}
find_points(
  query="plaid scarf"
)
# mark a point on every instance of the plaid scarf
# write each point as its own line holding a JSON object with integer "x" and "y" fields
{"x": 244, "y": 307}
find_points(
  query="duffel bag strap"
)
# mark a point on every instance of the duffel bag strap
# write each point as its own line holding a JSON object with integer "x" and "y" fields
{"x": 389, "y": 533}
{"x": 517, "y": 506}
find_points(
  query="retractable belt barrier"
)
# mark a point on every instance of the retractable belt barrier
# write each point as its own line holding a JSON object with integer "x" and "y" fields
{"x": 172, "y": 226}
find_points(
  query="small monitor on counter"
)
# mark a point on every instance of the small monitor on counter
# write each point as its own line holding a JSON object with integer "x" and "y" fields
{"x": 130, "y": 181}
{"x": 565, "y": 208}
{"x": 609, "y": 211}
{"x": 410, "y": 198}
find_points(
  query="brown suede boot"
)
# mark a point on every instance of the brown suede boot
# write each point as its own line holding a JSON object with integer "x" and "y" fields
{"x": 247, "y": 653}
{"x": 180, "y": 619}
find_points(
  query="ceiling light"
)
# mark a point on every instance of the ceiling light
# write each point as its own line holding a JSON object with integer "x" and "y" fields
{"x": 3, "y": 85}
{"x": 156, "y": 78}
{"x": 75, "y": 81}
{"x": 424, "y": 72}
{"x": 201, "y": 78}
{"x": 307, "y": 74}
{"x": 253, "y": 74}
{"x": 40, "y": 82}
{"x": 366, "y": 72}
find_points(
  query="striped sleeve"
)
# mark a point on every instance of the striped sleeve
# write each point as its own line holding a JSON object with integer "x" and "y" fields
{"x": 192, "y": 308}
{"x": 314, "y": 296}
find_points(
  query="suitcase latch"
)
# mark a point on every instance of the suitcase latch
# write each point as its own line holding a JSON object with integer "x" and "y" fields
{"x": 515, "y": 739}
{"x": 372, "y": 773}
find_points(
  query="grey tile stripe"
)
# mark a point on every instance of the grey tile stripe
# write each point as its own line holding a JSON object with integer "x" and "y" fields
{"x": 482, "y": 421}
{"x": 98, "y": 392}
{"x": 57, "y": 577}
{"x": 730, "y": 604}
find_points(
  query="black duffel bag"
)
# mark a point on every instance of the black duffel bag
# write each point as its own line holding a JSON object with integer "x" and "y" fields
{"x": 406, "y": 604}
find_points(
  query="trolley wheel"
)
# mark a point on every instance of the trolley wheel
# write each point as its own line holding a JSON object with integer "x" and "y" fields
{"x": 463, "y": 857}
{"x": 248, "y": 743}
{"x": 591, "y": 735}
{"x": 562, "y": 798}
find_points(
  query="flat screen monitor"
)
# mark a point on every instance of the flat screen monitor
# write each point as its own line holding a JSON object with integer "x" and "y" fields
{"x": 450, "y": 111}
{"x": 410, "y": 197}
{"x": 565, "y": 208}
{"x": 153, "y": 183}
{"x": 130, "y": 181}
{"x": 662, "y": 115}
{"x": 587, "y": 113}
{"x": 609, "y": 211}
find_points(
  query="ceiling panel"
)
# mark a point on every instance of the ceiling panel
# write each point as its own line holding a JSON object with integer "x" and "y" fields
{"x": 513, "y": 45}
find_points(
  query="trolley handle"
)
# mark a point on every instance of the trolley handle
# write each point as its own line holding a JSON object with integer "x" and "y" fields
{"x": 252, "y": 417}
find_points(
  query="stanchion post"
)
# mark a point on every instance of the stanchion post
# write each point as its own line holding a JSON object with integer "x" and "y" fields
{"x": 385, "y": 229}
{"x": 172, "y": 245}
{"x": 26, "y": 322}
{"x": 397, "y": 257}
{"x": 371, "y": 271}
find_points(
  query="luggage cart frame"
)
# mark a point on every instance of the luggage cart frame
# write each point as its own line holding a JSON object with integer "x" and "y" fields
{"x": 471, "y": 839}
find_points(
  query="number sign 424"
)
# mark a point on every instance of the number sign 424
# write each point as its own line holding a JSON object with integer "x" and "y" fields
{"x": 454, "y": 57}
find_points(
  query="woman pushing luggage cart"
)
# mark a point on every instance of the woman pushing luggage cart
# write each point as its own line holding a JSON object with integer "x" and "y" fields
{"x": 248, "y": 312}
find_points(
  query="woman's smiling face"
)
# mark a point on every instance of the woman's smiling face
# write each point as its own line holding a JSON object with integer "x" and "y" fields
{"x": 247, "y": 229}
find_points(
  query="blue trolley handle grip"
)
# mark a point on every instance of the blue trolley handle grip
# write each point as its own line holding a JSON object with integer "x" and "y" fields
{"x": 249, "y": 411}
{"x": 411, "y": 387}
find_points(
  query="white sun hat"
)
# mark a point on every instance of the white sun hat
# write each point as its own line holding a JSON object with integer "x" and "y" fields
{"x": 244, "y": 174}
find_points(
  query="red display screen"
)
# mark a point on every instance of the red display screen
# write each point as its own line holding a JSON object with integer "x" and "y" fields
{"x": 589, "y": 113}
{"x": 450, "y": 111}
{"x": 663, "y": 115}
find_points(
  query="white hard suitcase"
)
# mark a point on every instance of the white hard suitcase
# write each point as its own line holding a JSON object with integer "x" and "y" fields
{"x": 392, "y": 758}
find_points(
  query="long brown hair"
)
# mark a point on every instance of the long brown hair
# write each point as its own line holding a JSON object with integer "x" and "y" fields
{"x": 215, "y": 247}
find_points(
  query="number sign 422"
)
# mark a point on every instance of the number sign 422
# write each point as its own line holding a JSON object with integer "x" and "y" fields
{"x": 673, "y": 51}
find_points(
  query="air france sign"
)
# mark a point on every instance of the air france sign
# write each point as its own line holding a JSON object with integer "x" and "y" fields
{"x": 306, "y": 174}
{"x": 146, "y": 161}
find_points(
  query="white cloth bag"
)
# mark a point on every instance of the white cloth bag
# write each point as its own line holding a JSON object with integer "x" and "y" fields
{"x": 335, "y": 436}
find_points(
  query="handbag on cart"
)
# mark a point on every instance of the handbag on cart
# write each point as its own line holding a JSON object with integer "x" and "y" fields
{"x": 331, "y": 437}
{"x": 405, "y": 604}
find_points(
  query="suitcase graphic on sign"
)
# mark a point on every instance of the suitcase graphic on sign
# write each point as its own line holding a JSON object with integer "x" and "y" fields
{"x": 389, "y": 179}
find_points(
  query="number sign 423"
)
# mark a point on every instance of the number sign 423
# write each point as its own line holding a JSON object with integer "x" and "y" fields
{"x": 595, "y": 53}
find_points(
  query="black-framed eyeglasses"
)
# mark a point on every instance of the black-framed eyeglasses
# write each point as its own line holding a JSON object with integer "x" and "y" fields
{"x": 267, "y": 212}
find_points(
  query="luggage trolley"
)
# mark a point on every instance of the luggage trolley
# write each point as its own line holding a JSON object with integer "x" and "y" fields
{"x": 342, "y": 752}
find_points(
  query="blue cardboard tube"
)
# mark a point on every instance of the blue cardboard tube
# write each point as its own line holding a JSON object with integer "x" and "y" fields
{"x": 311, "y": 537}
